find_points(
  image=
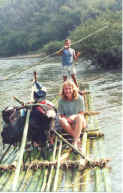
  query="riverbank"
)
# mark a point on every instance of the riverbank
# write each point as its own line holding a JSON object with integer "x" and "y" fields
{"x": 43, "y": 57}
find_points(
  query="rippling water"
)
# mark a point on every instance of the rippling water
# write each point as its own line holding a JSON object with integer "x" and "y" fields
{"x": 106, "y": 87}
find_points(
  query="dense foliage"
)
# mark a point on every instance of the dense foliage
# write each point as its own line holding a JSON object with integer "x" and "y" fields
{"x": 104, "y": 47}
{"x": 28, "y": 26}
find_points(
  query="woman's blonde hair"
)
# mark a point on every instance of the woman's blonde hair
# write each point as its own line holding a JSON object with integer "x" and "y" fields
{"x": 75, "y": 89}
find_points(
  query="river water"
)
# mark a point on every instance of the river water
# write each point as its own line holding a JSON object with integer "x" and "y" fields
{"x": 16, "y": 80}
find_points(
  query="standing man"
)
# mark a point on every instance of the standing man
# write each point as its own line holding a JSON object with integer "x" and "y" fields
{"x": 68, "y": 55}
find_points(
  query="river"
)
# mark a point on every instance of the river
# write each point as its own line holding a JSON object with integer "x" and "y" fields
{"x": 106, "y": 87}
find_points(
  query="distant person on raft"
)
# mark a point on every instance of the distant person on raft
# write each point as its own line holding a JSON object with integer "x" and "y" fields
{"x": 68, "y": 56}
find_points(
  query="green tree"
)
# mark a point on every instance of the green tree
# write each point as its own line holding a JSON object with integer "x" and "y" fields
{"x": 103, "y": 48}
{"x": 32, "y": 24}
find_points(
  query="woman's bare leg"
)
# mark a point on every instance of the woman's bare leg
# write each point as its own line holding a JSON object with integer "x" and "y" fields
{"x": 78, "y": 127}
{"x": 80, "y": 123}
{"x": 66, "y": 126}
{"x": 74, "y": 129}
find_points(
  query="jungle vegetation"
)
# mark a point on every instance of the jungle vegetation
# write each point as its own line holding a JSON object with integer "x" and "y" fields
{"x": 28, "y": 26}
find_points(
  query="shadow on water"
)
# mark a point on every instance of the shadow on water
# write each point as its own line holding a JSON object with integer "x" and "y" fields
{"x": 16, "y": 80}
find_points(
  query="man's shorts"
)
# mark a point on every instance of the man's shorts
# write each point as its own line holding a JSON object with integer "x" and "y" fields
{"x": 69, "y": 70}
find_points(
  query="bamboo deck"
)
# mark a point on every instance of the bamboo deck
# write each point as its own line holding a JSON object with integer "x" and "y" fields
{"x": 60, "y": 169}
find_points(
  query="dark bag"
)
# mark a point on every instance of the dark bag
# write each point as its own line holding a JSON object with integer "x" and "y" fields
{"x": 13, "y": 125}
{"x": 39, "y": 125}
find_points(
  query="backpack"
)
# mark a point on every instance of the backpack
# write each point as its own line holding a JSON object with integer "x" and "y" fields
{"x": 13, "y": 125}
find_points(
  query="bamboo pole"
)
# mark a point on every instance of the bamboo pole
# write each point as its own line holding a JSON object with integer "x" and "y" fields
{"x": 32, "y": 184}
{"x": 6, "y": 187}
{"x": 29, "y": 180}
{"x": 48, "y": 168}
{"x": 64, "y": 157}
{"x": 40, "y": 182}
{"x": 98, "y": 179}
{"x": 91, "y": 133}
{"x": 95, "y": 134}
{"x": 32, "y": 181}
{"x": 84, "y": 142}
{"x": 85, "y": 149}
{"x": 44, "y": 179}
{"x": 84, "y": 138}
{"x": 4, "y": 154}
{"x": 7, "y": 156}
{"x": 13, "y": 159}
{"x": 27, "y": 105}
{"x": 29, "y": 173}
{"x": 18, "y": 100}
{"x": 3, "y": 178}
{"x": 76, "y": 180}
{"x": 58, "y": 167}
{"x": 68, "y": 174}
{"x": 105, "y": 170}
{"x": 67, "y": 186}
{"x": 22, "y": 173}
{"x": 86, "y": 173}
{"x": 22, "y": 148}
{"x": 45, "y": 172}
{"x": 70, "y": 145}
{"x": 15, "y": 181}
{"x": 107, "y": 180}
{"x": 60, "y": 180}
{"x": 36, "y": 173}
{"x": 52, "y": 167}
{"x": 27, "y": 176}
{"x": 21, "y": 179}
{"x": 76, "y": 174}
{"x": 89, "y": 113}
{"x": 98, "y": 175}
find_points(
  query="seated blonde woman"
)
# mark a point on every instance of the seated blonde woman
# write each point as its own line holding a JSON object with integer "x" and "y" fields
{"x": 71, "y": 108}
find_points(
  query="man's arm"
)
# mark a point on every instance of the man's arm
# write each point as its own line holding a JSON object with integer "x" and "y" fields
{"x": 59, "y": 52}
{"x": 76, "y": 55}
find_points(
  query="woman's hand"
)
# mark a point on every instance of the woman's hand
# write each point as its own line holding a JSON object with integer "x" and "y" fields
{"x": 70, "y": 121}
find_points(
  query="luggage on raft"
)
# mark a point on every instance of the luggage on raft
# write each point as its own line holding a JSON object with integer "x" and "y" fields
{"x": 39, "y": 124}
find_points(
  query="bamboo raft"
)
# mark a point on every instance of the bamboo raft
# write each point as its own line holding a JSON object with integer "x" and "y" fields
{"x": 61, "y": 169}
